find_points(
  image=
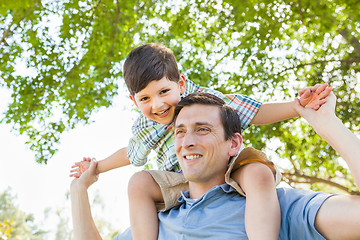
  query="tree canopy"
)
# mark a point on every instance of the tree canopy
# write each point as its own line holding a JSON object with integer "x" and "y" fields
{"x": 73, "y": 53}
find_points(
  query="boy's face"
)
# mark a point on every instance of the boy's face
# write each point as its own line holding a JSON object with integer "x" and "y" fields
{"x": 157, "y": 101}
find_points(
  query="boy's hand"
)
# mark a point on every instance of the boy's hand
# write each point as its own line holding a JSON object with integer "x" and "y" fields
{"x": 314, "y": 97}
{"x": 80, "y": 167}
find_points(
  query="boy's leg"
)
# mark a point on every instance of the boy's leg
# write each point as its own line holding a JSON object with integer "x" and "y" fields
{"x": 262, "y": 212}
{"x": 143, "y": 193}
{"x": 339, "y": 217}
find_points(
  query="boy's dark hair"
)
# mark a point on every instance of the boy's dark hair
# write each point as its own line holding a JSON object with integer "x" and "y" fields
{"x": 147, "y": 63}
{"x": 229, "y": 117}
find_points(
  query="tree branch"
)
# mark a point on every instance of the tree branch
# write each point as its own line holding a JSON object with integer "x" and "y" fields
{"x": 86, "y": 31}
{"x": 301, "y": 11}
{"x": 220, "y": 60}
{"x": 293, "y": 163}
{"x": 117, "y": 20}
{"x": 347, "y": 61}
{"x": 296, "y": 178}
{"x": 18, "y": 22}
{"x": 352, "y": 40}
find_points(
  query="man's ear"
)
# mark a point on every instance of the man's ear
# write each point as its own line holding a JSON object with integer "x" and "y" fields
{"x": 236, "y": 142}
{"x": 133, "y": 99}
{"x": 182, "y": 83}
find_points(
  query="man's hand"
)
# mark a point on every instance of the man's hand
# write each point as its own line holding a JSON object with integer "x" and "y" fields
{"x": 80, "y": 167}
{"x": 88, "y": 177}
{"x": 314, "y": 97}
{"x": 318, "y": 118}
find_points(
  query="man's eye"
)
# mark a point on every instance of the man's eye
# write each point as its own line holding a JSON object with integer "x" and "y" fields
{"x": 203, "y": 130}
{"x": 179, "y": 132}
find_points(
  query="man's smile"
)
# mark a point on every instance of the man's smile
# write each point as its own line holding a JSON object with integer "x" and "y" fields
{"x": 192, "y": 156}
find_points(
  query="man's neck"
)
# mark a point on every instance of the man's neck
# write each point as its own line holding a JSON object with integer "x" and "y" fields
{"x": 197, "y": 189}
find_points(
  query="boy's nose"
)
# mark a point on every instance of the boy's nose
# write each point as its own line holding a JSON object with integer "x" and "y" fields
{"x": 157, "y": 103}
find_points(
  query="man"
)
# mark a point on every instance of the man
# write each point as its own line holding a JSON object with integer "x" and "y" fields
{"x": 213, "y": 209}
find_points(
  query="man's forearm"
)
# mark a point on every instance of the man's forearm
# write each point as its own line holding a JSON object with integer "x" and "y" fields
{"x": 274, "y": 112}
{"x": 83, "y": 223}
{"x": 344, "y": 142}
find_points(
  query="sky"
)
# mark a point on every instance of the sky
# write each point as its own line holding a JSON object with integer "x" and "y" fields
{"x": 39, "y": 186}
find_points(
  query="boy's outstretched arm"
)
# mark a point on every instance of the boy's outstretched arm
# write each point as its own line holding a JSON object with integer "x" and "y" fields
{"x": 312, "y": 97}
{"x": 116, "y": 160}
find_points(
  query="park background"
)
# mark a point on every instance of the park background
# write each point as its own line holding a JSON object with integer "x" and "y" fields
{"x": 62, "y": 95}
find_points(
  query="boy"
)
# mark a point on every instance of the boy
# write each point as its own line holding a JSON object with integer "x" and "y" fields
{"x": 155, "y": 85}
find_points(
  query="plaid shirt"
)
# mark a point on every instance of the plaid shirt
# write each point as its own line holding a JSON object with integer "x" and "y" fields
{"x": 149, "y": 135}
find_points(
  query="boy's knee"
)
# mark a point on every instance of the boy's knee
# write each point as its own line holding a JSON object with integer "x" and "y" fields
{"x": 139, "y": 182}
{"x": 142, "y": 184}
{"x": 257, "y": 175}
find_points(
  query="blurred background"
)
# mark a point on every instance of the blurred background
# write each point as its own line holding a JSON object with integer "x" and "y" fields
{"x": 62, "y": 95}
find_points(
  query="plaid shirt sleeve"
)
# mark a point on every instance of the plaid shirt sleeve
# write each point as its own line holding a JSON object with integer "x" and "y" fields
{"x": 146, "y": 133}
{"x": 245, "y": 106}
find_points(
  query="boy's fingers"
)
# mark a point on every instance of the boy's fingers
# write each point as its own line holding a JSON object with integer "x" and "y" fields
{"x": 74, "y": 170}
{"x": 321, "y": 88}
{"x": 74, "y": 175}
{"x": 314, "y": 88}
{"x": 304, "y": 93}
{"x": 325, "y": 93}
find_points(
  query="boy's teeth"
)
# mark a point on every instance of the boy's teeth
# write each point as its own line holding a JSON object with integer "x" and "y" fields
{"x": 190, "y": 157}
{"x": 161, "y": 112}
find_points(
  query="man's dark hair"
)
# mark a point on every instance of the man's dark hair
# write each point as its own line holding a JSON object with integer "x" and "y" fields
{"x": 229, "y": 117}
{"x": 147, "y": 63}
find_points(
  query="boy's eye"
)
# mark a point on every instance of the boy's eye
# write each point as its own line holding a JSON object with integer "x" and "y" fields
{"x": 144, "y": 99}
{"x": 164, "y": 91}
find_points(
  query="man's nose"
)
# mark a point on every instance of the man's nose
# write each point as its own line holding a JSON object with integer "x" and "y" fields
{"x": 189, "y": 140}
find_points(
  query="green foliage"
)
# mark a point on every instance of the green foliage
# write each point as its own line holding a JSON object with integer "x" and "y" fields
{"x": 73, "y": 51}
{"x": 14, "y": 223}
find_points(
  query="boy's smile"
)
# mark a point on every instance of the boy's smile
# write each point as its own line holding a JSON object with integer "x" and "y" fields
{"x": 157, "y": 101}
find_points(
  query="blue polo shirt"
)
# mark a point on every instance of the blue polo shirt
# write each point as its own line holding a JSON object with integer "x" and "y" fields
{"x": 219, "y": 214}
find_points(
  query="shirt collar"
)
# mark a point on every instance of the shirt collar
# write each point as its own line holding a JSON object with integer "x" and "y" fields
{"x": 185, "y": 196}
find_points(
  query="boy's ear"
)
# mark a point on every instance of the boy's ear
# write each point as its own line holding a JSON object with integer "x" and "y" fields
{"x": 236, "y": 143}
{"x": 133, "y": 99}
{"x": 182, "y": 83}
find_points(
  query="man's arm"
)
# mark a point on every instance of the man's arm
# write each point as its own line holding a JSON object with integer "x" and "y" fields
{"x": 83, "y": 223}
{"x": 339, "y": 216}
{"x": 332, "y": 130}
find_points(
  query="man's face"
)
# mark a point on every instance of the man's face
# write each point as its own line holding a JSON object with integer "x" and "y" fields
{"x": 200, "y": 144}
{"x": 157, "y": 101}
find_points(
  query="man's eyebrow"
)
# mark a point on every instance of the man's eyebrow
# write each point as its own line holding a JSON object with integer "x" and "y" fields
{"x": 196, "y": 124}
{"x": 179, "y": 125}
